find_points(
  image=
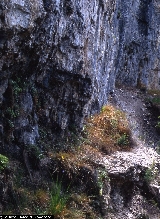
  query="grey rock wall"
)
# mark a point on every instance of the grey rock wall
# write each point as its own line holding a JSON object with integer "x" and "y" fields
{"x": 59, "y": 60}
{"x": 57, "y": 64}
{"x": 138, "y": 58}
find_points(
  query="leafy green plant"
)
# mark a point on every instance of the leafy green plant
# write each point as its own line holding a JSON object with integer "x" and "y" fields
{"x": 114, "y": 123}
{"x": 103, "y": 108}
{"x": 3, "y": 162}
{"x": 12, "y": 113}
{"x": 123, "y": 140}
{"x": 155, "y": 100}
{"x": 10, "y": 123}
{"x": 153, "y": 202}
{"x": 43, "y": 133}
{"x": 16, "y": 87}
{"x": 40, "y": 211}
{"x": 58, "y": 199}
{"x": 102, "y": 176}
{"x": 150, "y": 173}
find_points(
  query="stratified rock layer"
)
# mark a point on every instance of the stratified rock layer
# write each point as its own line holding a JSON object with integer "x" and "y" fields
{"x": 57, "y": 63}
{"x": 59, "y": 60}
{"x": 139, "y": 50}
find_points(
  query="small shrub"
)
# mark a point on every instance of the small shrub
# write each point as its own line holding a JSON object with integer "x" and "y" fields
{"x": 109, "y": 130}
{"x": 150, "y": 173}
{"x": 3, "y": 162}
{"x": 10, "y": 124}
{"x": 102, "y": 176}
{"x": 16, "y": 87}
{"x": 103, "y": 109}
{"x": 123, "y": 140}
{"x": 12, "y": 113}
{"x": 156, "y": 100}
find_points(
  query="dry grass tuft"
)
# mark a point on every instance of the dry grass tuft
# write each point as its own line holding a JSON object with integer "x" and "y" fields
{"x": 109, "y": 130}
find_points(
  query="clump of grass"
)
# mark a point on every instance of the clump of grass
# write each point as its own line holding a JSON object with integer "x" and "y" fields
{"x": 58, "y": 199}
{"x": 109, "y": 131}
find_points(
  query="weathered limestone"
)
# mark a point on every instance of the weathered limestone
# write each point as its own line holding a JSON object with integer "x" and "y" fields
{"x": 60, "y": 53}
{"x": 66, "y": 56}
{"x": 138, "y": 58}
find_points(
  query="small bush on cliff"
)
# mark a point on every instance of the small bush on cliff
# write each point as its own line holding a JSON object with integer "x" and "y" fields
{"x": 3, "y": 162}
{"x": 102, "y": 177}
{"x": 123, "y": 140}
{"x": 109, "y": 130}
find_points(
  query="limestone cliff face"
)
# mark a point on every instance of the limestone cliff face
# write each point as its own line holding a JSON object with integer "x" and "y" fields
{"x": 57, "y": 63}
{"x": 138, "y": 56}
{"x": 59, "y": 59}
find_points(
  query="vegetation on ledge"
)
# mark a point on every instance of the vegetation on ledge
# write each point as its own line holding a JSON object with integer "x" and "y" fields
{"x": 79, "y": 191}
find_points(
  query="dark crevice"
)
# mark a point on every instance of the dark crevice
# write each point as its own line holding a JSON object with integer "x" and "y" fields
{"x": 68, "y": 7}
{"x": 143, "y": 17}
{"x": 47, "y": 4}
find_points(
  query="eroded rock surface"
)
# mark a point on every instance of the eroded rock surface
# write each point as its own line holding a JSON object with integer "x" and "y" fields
{"x": 65, "y": 55}
{"x": 60, "y": 55}
{"x": 138, "y": 56}
{"x": 59, "y": 60}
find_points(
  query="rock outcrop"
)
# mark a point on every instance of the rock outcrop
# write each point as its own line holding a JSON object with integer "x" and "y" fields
{"x": 134, "y": 184}
{"x": 137, "y": 61}
{"x": 59, "y": 61}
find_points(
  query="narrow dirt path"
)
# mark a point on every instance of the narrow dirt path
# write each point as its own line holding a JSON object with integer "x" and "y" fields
{"x": 126, "y": 167}
{"x": 145, "y": 138}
